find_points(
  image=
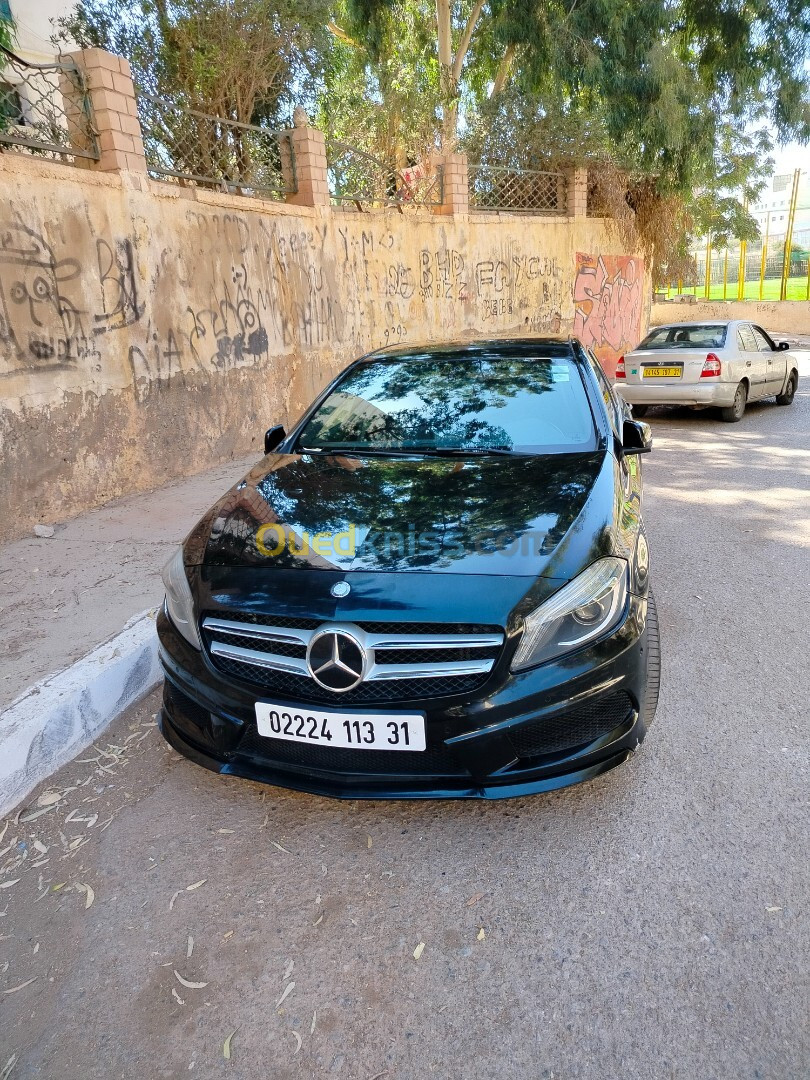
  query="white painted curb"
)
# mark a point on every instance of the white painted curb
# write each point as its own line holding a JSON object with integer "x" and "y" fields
{"x": 58, "y": 717}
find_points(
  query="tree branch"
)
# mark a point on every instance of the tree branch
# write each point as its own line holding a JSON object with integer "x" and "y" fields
{"x": 464, "y": 44}
{"x": 341, "y": 35}
{"x": 503, "y": 69}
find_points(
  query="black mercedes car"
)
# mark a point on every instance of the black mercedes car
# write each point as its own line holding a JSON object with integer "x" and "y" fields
{"x": 437, "y": 584}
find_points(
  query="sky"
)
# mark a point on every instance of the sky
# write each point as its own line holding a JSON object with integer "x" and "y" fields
{"x": 791, "y": 156}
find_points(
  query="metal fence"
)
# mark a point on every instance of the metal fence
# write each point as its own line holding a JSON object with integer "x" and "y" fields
{"x": 45, "y": 109}
{"x": 193, "y": 147}
{"x": 766, "y": 269}
{"x": 358, "y": 177}
{"x": 497, "y": 187}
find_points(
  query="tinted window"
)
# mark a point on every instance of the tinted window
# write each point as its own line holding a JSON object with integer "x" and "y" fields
{"x": 762, "y": 340}
{"x": 432, "y": 402}
{"x": 685, "y": 337}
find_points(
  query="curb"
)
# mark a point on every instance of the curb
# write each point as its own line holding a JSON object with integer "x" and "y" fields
{"x": 58, "y": 717}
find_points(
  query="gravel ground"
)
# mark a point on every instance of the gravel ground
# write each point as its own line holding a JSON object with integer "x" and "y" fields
{"x": 650, "y": 924}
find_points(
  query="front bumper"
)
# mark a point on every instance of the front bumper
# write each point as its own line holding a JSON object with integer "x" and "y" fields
{"x": 556, "y": 725}
{"x": 707, "y": 393}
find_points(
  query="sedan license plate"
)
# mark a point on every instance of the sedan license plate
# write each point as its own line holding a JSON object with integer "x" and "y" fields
{"x": 355, "y": 730}
{"x": 661, "y": 372}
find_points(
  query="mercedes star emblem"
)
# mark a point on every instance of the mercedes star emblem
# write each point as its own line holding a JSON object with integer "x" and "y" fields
{"x": 341, "y": 588}
{"x": 336, "y": 660}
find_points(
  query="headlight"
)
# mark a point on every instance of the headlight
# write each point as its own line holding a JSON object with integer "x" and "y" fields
{"x": 179, "y": 603}
{"x": 585, "y": 609}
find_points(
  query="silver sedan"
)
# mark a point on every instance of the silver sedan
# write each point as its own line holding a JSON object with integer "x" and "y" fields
{"x": 701, "y": 364}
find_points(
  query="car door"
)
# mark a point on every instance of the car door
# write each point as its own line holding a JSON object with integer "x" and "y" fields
{"x": 754, "y": 364}
{"x": 775, "y": 361}
{"x": 629, "y": 465}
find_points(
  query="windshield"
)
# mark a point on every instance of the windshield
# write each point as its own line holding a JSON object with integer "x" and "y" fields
{"x": 685, "y": 337}
{"x": 440, "y": 403}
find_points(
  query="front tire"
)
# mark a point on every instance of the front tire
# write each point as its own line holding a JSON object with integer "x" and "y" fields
{"x": 734, "y": 413}
{"x": 790, "y": 390}
{"x": 650, "y": 703}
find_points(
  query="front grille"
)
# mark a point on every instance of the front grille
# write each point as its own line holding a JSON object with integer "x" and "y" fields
{"x": 300, "y": 688}
{"x": 439, "y": 761}
{"x": 405, "y": 661}
{"x": 571, "y": 729}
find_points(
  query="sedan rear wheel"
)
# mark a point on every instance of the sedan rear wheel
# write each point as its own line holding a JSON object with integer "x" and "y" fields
{"x": 735, "y": 412}
{"x": 790, "y": 391}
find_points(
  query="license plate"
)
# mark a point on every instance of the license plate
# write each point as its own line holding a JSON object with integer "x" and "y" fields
{"x": 355, "y": 730}
{"x": 661, "y": 372}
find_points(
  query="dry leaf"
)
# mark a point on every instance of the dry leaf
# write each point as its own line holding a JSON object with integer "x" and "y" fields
{"x": 6, "y": 1071}
{"x": 34, "y": 814}
{"x": 420, "y": 948}
{"x": 49, "y": 798}
{"x": 14, "y": 989}
{"x": 298, "y": 1042}
{"x": 280, "y": 848}
{"x": 196, "y": 885}
{"x": 38, "y": 846}
{"x": 226, "y": 1046}
{"x": 318, "y": 920}
{"x": 474, "y": 899}
{"x": 5, "y": 829}
{"x": 174, "y": 897}
{"x": 227, "y": 934}
{"x": 312, "y": 1025}
{"x": 189, "y": 947}
{"x": 36, "y": 948}
{"x": 369, "y": 841}
{"x": 177, "y": 997}
{"x": 56, "y": 888}
{"x": 224, "y": 830}
{"x": 89, "y": 894}
{"x": 288, "y": 989}
{"x": 773, "y": 909}
{"x": 288, "y": 970}
{"x": 481, "y": 935}
{"x": 187, "y": 982}
{"x": 8, "y": 884}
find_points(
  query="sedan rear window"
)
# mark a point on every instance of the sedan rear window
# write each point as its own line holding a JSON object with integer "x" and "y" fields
{"x": 685, "y": 337}
{"x": 445, "y": 402}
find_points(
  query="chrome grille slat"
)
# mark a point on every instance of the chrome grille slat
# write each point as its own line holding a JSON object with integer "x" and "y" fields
{"x": 433, "y": 641}
{"x": 428, "y": 671}
{"x": 267, "y": 633}
{"x": 260, "y": 659}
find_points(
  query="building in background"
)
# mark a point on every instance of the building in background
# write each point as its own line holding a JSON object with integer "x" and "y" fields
{"x": 33, "y": 20}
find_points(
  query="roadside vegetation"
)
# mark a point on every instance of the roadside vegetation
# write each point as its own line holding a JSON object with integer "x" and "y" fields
{"x": 674, "y": 105}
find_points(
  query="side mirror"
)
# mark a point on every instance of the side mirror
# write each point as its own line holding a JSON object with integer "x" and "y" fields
{"x": 636, "y": 437}
{"x": 273, "y": 437}
{"x": 783, "y": 346}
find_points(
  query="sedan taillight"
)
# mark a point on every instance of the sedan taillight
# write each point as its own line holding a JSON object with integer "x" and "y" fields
{"x": 621, "y": 372}
{"x": 712, "y": 368}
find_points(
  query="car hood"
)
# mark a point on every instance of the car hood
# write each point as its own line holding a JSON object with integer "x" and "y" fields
{"x": 508, "y": 516}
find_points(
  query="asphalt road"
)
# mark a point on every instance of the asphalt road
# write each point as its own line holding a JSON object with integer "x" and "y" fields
{"x": 650, "y": 924}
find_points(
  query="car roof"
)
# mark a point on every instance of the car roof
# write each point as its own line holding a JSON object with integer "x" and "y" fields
{"x": 697, "y": 322}
{"x": 490, "y": 347}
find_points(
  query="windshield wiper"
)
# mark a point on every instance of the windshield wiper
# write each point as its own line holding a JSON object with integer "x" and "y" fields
{"x": 465, "y": 451}
{"x": 338, "y": 451}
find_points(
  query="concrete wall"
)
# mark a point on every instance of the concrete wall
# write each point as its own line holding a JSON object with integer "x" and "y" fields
{"x": 148, "y": 331}
{"x": 779, "y": 317}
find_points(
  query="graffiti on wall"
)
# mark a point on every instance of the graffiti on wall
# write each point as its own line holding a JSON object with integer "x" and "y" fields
{"x": 607, "y": 304}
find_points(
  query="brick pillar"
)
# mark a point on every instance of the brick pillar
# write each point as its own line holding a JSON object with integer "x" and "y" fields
{"x": 303, "y": 164}
{"x": 456, "y": 184}
{"x": 115, "y": 111}
{"x": 577, "y": 197}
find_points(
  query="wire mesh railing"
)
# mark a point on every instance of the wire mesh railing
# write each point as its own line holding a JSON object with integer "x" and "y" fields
{"x": 45, "y": 109}
{"x": 497, "y": 187}
{"x": 192, "y": 147}
{"x": 355, "y": 176}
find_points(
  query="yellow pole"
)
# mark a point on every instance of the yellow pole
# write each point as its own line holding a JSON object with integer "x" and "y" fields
{"x": 680, "y": 284}
{"x": 725, "y": 273}
{"x": 707, "y": 292}
{"x": 741, "y": 273}
{"x": 764, "y": 255}
{"x": 794, "y": 195}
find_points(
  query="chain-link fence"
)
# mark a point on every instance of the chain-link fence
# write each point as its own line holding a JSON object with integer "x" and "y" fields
{"x": 45, "y": 109}
{"x": 358, "y": 177}
{"x": 496, "y": 187}
{"x": 192, "y": 147}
